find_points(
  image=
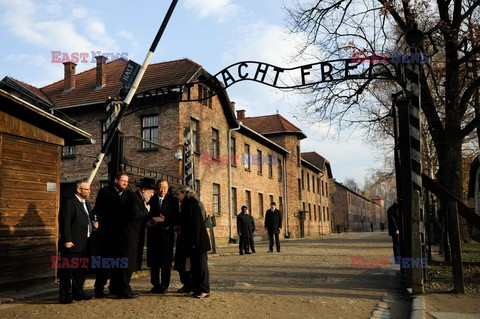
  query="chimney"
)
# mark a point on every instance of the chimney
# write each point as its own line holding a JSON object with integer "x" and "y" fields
{"x": 101, "y": 76}
{"x": 232, "y": 105}
{"x": 240, "y": 115}
{"x": 69, "y": 76}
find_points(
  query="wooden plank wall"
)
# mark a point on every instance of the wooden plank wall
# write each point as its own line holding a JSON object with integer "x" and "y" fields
{"x": 28, "y": 211}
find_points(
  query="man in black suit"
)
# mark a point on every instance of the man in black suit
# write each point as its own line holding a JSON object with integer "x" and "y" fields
{"x": 131, "y": 219}
{"x": 243, "y": 230}
{"x": 160, "y": 236}
{"x": 250, "y": 243}
{"x": 394, "y": 227}
{"x": 109, "y": 204}
{"x": 75, "y": 228}
{"x": 273, "y": 224}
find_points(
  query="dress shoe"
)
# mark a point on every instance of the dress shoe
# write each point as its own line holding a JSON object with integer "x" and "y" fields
{"x": 202, "y": 295}
{"x": 158, "y": 290}
{"x": 270, "y": 251}
{"x": 67, "y": 301}
{"x": 82, "y": 297}
{"x": 248, "y": 253}
{"x": 100, "y": 294}
{"x": 130, "y": 296}
{"x": 241, "y": 253}
{"x": 184, "y": 290}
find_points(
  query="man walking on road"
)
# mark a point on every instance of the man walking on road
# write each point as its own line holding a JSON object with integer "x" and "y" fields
{"x": 273, "y": 224}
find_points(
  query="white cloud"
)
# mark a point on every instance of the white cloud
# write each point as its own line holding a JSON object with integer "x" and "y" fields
{"x": 221, "y": 10}
{"x": 48, "y": 27}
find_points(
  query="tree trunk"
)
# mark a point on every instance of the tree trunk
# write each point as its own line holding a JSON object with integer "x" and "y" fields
{"x": 450, "y": 173}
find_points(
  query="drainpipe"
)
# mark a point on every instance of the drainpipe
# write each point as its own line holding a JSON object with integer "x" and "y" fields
{"x": 285, "y": 207}
{"x": 230, "y": 220}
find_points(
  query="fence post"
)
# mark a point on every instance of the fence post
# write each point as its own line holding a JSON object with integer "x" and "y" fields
{"x": 417, "y": 272}
{"x": 454, "y": 236}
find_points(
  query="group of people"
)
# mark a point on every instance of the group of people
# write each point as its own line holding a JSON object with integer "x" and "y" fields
{"x": 246, "y": 228}
{"x": 115, "y": 228}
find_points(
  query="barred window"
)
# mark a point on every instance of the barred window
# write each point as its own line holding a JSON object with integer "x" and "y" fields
{"x": 149, "y": 131}
{"x": 216, "y": 199}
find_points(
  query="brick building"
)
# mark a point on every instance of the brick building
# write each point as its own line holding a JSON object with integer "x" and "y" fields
{"x": 354, "y": 211}
{"x": 237, "y": 159}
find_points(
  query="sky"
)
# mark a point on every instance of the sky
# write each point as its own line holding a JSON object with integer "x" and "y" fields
{"x": 213, "y": 33}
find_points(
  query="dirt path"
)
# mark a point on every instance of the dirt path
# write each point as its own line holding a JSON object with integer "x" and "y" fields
{"x": 310, "y": 278}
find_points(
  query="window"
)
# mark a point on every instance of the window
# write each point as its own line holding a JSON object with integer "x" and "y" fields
{"x": 326, "y": 188}
{"x": 309, "y": 211}
{"x": 299, "y": 188}
{"x": 234, "y": 200}
{"x": 318, "y": 185}
{"x": 204, "y": 95}
{"x": 103, "y": 184}
{"x": 104, "y": 126}
{"x": 280, "y": 203}
{"x": 233, "y": 151}
{"x": 259, "y": 162}
{"x": 68, "y": 151}
{"x": 303, "y": 206}
{"x": 196, "y": 187}
{"x": 280, "y": 171}
{"x": 216, "y": 199}
{"x": 246, "y": 157}
{"x": 303, "y": 180}
{"x": 298, "y": 156}
{"x": 215, "y": 145}
{"x": 260, "y": 205}
{"x": 248, "y": 200}
{"x": 308, "y": 182}
{"x": 323, "y": 209}
{"x": 313, "y": 184}
{"x": 270, "y": 166}
{"x": 323, "y": 188}
{"x": 149, "y": 131}
{"x": 195, "y": 135}
{"x": 271, "y": 200}
{"x": 328, "y": 214}
{"x": 314, "y": 212}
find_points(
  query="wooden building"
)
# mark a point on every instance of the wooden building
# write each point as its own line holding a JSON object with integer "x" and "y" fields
{"x": 31, "y": 143}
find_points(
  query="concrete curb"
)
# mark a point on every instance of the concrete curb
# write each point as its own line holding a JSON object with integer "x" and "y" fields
{"x": 418, "y": 310}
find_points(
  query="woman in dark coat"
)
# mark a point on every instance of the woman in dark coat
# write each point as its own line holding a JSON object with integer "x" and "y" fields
{"x": 195, "y": 241}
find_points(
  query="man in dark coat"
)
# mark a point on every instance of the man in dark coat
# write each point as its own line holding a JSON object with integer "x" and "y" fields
{"x": 160, "y": 236}
{"x": 243, "y": 230}
{"x": 196, "y": 238}
{"x": 394, "y": 227}
{"x": 136, "y": 210}
{"x": 273, "y": 224}
{"x": 250, "y": 241}
{"x": 75, "y": 227}
{"x": 109, "y": 204}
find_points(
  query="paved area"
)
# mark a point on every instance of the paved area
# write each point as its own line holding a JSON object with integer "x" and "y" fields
{"x": 310, "y": 278}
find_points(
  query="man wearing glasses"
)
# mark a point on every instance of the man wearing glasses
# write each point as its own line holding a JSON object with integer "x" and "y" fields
{"x": 75, "y": 229}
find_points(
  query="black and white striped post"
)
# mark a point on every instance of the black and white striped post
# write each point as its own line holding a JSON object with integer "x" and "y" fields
{"x": 139, "y": 72}
{"x": 410, "y": 126}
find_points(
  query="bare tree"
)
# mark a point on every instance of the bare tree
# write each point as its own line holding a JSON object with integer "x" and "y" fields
{"x": 449, "y": 81}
